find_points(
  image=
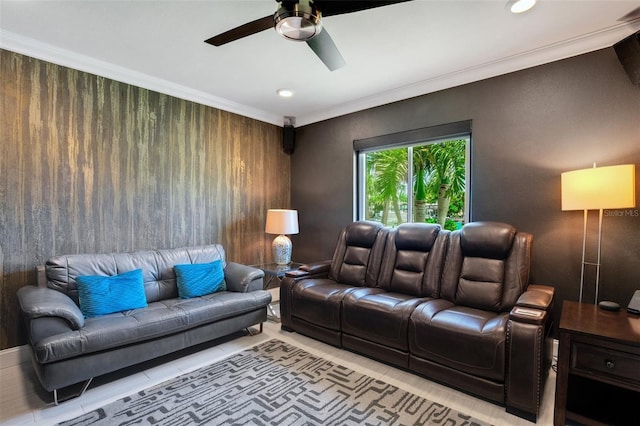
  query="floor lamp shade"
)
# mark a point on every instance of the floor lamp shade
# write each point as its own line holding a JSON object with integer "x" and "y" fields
{"x": 598, "y": 188}
{"x": 282, "y": 222}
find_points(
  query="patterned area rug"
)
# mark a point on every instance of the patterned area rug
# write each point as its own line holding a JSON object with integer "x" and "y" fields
{"x": 274, "y": 383}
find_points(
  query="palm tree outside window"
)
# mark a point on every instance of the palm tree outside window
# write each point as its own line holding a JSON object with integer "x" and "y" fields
{"x": 432, "y": 187}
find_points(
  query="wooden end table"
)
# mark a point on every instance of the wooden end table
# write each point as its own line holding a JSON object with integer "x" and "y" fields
{"x": 598, "y": 377}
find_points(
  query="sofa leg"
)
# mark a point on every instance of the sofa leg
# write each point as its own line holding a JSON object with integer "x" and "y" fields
{"x": 57, "y": 401}
{"x": 251, "y": 333}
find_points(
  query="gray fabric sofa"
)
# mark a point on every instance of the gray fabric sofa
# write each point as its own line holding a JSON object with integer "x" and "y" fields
{"x": 68, "y": 348}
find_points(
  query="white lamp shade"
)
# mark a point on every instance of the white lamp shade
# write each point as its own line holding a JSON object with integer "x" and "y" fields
{"x": 281, "y": 222}
{"x": 597, "y": 188}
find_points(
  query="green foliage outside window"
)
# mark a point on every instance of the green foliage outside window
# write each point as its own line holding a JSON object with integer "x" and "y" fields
{"x": 438, "y": 181}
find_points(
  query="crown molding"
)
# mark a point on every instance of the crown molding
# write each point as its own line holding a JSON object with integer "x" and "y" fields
{"x": 543, "y": 55}
{"x": 546, "y": 54}
{"x": 46, "y": 52}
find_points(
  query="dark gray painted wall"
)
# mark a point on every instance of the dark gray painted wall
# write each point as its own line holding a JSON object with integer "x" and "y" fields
{"x": 528, "y": 127}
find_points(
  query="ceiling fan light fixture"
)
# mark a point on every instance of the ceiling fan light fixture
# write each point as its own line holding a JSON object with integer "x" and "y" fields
{"x": 520, "y": 6}
{"x": 299, "y": 21}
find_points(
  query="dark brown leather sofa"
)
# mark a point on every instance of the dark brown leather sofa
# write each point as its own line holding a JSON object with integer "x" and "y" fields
{"x": 455, "y": 307}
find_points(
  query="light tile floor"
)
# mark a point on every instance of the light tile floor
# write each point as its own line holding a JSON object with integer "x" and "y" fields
{"x": 23, "y": 402}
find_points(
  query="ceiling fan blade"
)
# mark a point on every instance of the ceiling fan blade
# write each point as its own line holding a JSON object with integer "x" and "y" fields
{"x": 634, "y": 14}
{"x": 242, "y": 31}
{"x": 334, "y": 7}
{"x": 325, "y": 48}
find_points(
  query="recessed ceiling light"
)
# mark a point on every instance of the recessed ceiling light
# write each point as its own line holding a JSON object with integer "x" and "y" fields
{"x": 285, "y": 93}
{"x": 520, "y": 6}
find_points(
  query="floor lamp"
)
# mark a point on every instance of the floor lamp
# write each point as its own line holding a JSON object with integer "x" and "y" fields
{"x": 598, "y": 188}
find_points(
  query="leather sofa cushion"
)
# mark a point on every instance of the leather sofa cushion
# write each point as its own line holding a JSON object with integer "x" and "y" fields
{"x": 491, "y": 240}
{"x": 416, "y": 236}
{"x": 319, "y": 301}
{"x": 357, "y": 257}
{"x": 413, "y": 258}
{"x": 379, "y": 317}
{"x": 487, "y": 266}
{"x": 52, "y": 339}
{"x": 407, "y": 275}
{"x": 362, "y": 234}
{"x": 466, "y": 339}
{"x": 480, "y": 284}
{"x": 354, "y": 267}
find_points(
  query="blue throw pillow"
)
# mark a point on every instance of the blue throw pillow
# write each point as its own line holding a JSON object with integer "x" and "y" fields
{"x": 100, "y": 295}
{"x": 198, "y": 279}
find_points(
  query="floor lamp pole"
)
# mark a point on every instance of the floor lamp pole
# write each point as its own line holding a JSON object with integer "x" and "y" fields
{"x": 598, "y": 261}
{"x": 584, "y": 250}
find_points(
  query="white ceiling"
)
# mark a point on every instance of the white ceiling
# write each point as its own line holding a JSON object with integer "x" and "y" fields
{"x": 392, "y": 52}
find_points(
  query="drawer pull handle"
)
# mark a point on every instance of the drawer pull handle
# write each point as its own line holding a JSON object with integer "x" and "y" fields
{"x": 610, "y": 364}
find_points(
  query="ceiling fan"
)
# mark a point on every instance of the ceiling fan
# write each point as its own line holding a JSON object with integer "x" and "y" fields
{"x": 301, "y": 20}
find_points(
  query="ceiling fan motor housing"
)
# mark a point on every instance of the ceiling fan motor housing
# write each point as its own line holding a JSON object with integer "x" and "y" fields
{"x": 298, "y": 20}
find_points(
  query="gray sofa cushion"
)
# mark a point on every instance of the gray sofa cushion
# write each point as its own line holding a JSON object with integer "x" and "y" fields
{"x": 157, "y": 268}
{"x": 52, "y": 342}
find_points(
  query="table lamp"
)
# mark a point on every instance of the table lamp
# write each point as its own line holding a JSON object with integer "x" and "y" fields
{"x": 598, "y": 188}
{"x": 282, "y": 222}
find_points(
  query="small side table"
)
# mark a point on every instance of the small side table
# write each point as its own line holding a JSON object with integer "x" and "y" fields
{"x": 598, "y": 378}
{"x": 273, "y": 275}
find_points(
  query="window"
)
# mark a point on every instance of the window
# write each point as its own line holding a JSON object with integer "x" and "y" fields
{"x": 401, "y": 179}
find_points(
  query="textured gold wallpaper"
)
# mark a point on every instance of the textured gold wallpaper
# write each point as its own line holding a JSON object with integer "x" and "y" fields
{"x": 91, "y": 165}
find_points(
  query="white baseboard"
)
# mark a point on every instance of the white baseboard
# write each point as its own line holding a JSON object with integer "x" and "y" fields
{"x": 14, "y": 356}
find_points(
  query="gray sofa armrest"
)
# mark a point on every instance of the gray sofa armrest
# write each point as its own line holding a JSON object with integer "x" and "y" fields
{"x": 242, "y": 278}
{"x": 37, "y": 302}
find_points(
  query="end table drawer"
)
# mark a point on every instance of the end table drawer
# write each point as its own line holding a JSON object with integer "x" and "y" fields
{"x": 610, "y": 362}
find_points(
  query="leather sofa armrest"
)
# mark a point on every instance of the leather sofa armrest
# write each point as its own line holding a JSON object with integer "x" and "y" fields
{"x": 36, "y": 302}
{"x": 533, "y": 305}
{"x": 316, "y": 268}
{"x": 528, "y": 315}
{"x": 290, "y": 280}
{"x": 297, "y": 274}
{"x": 536, "y": 297}
{"x": 309, "y": 270}
{"x": 242, "y": 278}
{"x": 529, "y": 350}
